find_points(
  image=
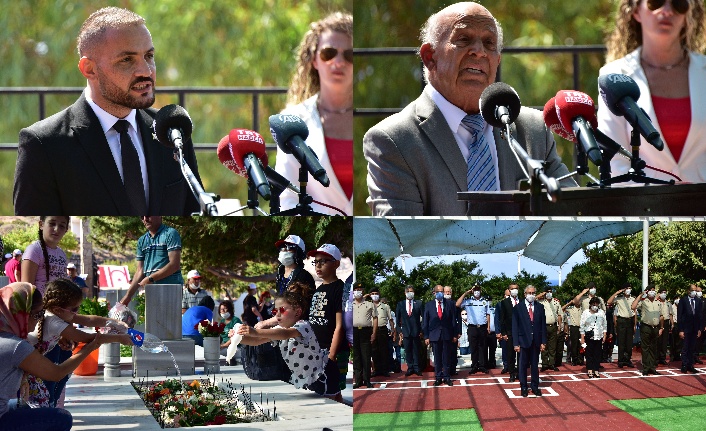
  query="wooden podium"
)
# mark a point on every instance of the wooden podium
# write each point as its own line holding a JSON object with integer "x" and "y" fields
{"x": 626, "y": 200}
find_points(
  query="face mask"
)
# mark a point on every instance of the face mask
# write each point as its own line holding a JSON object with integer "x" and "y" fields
{"x": 225, "y": 316}
{"x": 699, "y": 294}
{"x": 513, "y": 293}
{"x": 439, "y": 296}
{"x": 375, "y": 298}
{"x": 409, "y": 295}
{"x": 549, "y": 295}
{"x": 530, "y": 297}
{"x": 692, "y": 294}
{"x": 651, "y": 293}
{"x": 592, "y": 291}
{"x": 662, "y": 296}
{"x": 286, "y": 258}
{"x": 447, "y": 296}
{"x": 594, "y": 307}
{"x": 476, "y": 293}
{"x": 357, "y": 294}
{"x": 627, "y": 292}
{"x": 194, "y": 286}
{"x": 464, "y": 316}
{"x": 676, "y": 301}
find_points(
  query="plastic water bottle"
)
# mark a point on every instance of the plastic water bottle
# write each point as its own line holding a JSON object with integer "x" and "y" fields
{"x": 146, "y": 341}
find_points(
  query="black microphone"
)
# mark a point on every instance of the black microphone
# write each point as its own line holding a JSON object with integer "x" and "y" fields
{"x": 172, "y": 125}
{"x": 279, "y": 180}
{"x": 620, "y": 92}
{"x": 577, "y": 113}
{"x": 499, "y": 104}
{"x": 290, "y": 131}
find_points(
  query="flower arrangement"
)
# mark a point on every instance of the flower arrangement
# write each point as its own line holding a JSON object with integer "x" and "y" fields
{"x": 210, "y": 329}
{"x": 175, "y": 404}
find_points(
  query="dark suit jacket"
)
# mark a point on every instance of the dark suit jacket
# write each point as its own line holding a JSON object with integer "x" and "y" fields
{"x": 416, "y": 168}
{"x": 525, "y": 331}
{"x": 690, "y": 322}
{"x": 409, "y": 326}
{"x": 436, "y": 329}
{"x": 505, "y": 317}
{"x": 65, "y": 167}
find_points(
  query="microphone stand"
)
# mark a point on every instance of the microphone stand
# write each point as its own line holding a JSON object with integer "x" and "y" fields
{"x": 582, "y": 165}
{"x": 253, "y": 201}
{"x": 637, "y": 166}
{"x": 207, "y": 201}
{"x": 305, "y": 200}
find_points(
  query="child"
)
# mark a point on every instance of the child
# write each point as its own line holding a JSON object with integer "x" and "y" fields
{"x": 311, "y": 368}
{"x": 62, "y": 298}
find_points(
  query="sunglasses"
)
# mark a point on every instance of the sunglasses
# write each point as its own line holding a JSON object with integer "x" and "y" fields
{"x": 321, "y": 262}
{"x": 328, "y": 54}
{"x": 679, "y": 6}
{"x": 288, "y": 247}
{"x": 280, "y": 311}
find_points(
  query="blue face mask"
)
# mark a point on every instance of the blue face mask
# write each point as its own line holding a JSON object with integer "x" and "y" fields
{"x": 439, "y": 296}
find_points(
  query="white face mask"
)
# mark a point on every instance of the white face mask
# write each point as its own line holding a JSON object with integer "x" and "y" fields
{"x": 530, "y": 297}
{"x": 692, "y": 294}
{"x": 513, "y": 293}
{"x": 476, "y": 293}
{"x": 594, "y": 307}
{"x": 676, "y": 301}
{"x": 286, "y": 258}
{"x": 592, "y": 291}
{"x": 409, "y": 295}
{"x": 225, "y": 315}
{"x": 651, "y": 293}
{"x": 194, "y": 286}
{"x": 357, "y": 294}
{"x": 447, "y": 296}
{"x": 699, "y": 294}
{"x": 627, "y": 292}
{"x": 375, "y": 298}
{"x": 464, "y": 316}
{"x": 662, "y": 296}
{"x": 549, "y": 295}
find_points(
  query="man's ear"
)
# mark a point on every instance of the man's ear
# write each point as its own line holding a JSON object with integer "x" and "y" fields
{"x": 87, "y": 67}
{"x": 426, "y": 52}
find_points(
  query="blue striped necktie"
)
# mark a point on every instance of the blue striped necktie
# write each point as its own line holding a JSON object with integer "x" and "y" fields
{"x": 480, "y": 175}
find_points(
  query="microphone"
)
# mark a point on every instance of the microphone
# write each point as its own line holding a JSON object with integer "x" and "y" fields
{"x": 576, "y": 111}
{"x": 499, "y": 104}
{"x": 172, "y": 125}
{"x": 620, "y": 92}
{"x": 243, "y": 152}
{"x": 551, "y": 119}
{"x": 290, "y": 131}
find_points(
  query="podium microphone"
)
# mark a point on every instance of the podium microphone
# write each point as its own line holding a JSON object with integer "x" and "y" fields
{"x": 172, "y": 125}
{"x": 620, "y": 93}
{"x": 551, "y": 119}
{"x": 577, "y": 112}
{"x": 290, "y": 131}
{"x": 243, "y": 152}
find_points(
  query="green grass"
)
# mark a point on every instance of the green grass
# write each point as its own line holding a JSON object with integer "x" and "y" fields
{"x": 437, "y": 420}
{"x": 665, "y": 414}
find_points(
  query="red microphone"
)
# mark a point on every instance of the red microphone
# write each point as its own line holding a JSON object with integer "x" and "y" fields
{"x": 551, "y": 119}
{"x": 243, "y": 152}
{"x": 577, "y": 113}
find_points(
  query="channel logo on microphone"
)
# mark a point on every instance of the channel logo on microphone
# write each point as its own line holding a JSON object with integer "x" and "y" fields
{"x": 577, "y": 97}
{"x": 249, "y": 135}
{"x": 619, "y": 77}
{"x": 289, "y": 118}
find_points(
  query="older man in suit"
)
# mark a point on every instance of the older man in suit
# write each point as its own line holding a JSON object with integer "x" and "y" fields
{"x": 504, "y": 328}
{"x": 439, "y": 145}
{"x": 409, "y": 326}
{"x": 98, "y": 156}
{"x": 529, "y": 335}
{"x": 440, "y": 331}
{"x": 690, "y": 312}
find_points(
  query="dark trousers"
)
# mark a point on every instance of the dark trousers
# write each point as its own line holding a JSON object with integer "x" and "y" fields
{"x": 648, "y": 341}
{"x": 361, "y": 355}
{"x": 57, "y": 355}
{"x": 663, "y": 342}
{"x": 699, "y": 344}
{"x": 574, "y": 344}
{"x": 559, "y": 354}
{"x": 625, "y": 335}
{"x": 688, "y": 348}
{"x": 442, "y": 352}
{"x": 504, "y": 352}
{"x": 491, "y": 345}
{"x": 477, "y": 336}
{"x": 412, "y": 345}
{"x": 549, "y": 353}
{"x": 529, "y": 357}
{"x": 380, "y": 351}
{"x": 511, "y": 354}
{"x": 607, "y": 355}
{"x": 593, "y": 354}
{"x": 394, "y": 357}
{"x": 677, "y": 343}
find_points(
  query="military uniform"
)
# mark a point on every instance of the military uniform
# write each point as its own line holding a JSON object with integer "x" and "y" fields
{"x": 663, "y": 341}
{"x": 552, "y": 311}
{"x": 363, "y": 314}
{"x": 574, "y": 314}
{"x": 651, "y": 321}
{"x": 625, "y": 329}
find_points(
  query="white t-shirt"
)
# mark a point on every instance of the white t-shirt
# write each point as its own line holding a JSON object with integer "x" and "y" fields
{"x": 52, "y": 329}
{"x": 303, "y": 355}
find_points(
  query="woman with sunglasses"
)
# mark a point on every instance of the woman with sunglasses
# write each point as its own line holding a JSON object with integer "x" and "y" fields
{"x": 658, "y": 43}
{"x": 321, "y": 94}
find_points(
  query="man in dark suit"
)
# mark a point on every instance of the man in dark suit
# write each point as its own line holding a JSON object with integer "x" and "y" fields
{"x": 440, "y": 331}
{"x": 690, "y": 315}
{"x": 409, "y": 326}
{"x": 98, "y": 156}
{"x": 439, "y": 145}
{"x": 529, "y": 335}
{"x": 506, "y": 307}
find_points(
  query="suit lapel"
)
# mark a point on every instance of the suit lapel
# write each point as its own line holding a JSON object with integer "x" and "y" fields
{"x": 90, "y": 136}
{"x": 154, "y": 162}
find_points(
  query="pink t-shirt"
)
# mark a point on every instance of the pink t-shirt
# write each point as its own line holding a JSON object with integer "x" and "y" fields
{"x": 57, "y": 264}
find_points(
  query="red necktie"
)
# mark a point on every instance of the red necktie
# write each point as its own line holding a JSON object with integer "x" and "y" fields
{"x": 409, "y": 312}
{"x": 531, "y": 313}
{"x": 514, "y": 301}
{"x": 438, "y": 308}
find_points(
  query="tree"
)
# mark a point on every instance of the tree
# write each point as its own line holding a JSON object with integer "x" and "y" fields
{"x": 25, "y": 234}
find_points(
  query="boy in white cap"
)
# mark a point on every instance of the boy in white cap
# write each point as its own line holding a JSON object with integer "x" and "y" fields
{"x": 192, "y": 293}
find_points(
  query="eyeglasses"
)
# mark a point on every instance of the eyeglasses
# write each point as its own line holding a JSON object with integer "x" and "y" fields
{"x": 328, "y": 54}
{"x": 288, "y": 247}
{"x": 280, "y": 310}
{"x": 321, "y": 262}
{"x": 679, "y": 6}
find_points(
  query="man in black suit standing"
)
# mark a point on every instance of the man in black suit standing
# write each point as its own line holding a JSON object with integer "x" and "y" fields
{"x": 439, "y": 331}
{"x": 98, "y": 156}
{"x": 505, "y": 329}
{"x": 529, "y": 335}
{"x": 690, "y": 314}
{"x": 409, "y": 326}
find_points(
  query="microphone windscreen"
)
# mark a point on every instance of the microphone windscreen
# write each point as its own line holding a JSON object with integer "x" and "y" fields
{"x": 572, "y": 104}
{"x": 616, "y": 86}
{"x": 284, "y": 126}
{"x": 233, "y": 148}
{"x": 551, "y": 119}
{"x": 499, "y": 94}
{"x": 171, "y": 117}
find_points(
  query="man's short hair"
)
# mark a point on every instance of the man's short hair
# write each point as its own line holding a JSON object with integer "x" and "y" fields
{"x": 207, "y": 302}
{"x": 431, "y": 31}
{"x": 95, "y": 26}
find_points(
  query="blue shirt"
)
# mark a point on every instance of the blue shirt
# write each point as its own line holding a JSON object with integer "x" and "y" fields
{"x": 477, "y": 309}
{"x": 192, "y": 316}
{"x": 153, "y": 251}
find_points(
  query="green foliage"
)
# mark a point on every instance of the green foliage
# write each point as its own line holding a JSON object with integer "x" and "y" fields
{"x": 94, "y": 307}
{"x": 26, "y": 234}
{"x": 125, "y": 351}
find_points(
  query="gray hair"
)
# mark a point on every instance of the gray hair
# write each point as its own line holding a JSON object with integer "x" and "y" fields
{"x": 95, "y": 26}
{"x": 528, "y": 286}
